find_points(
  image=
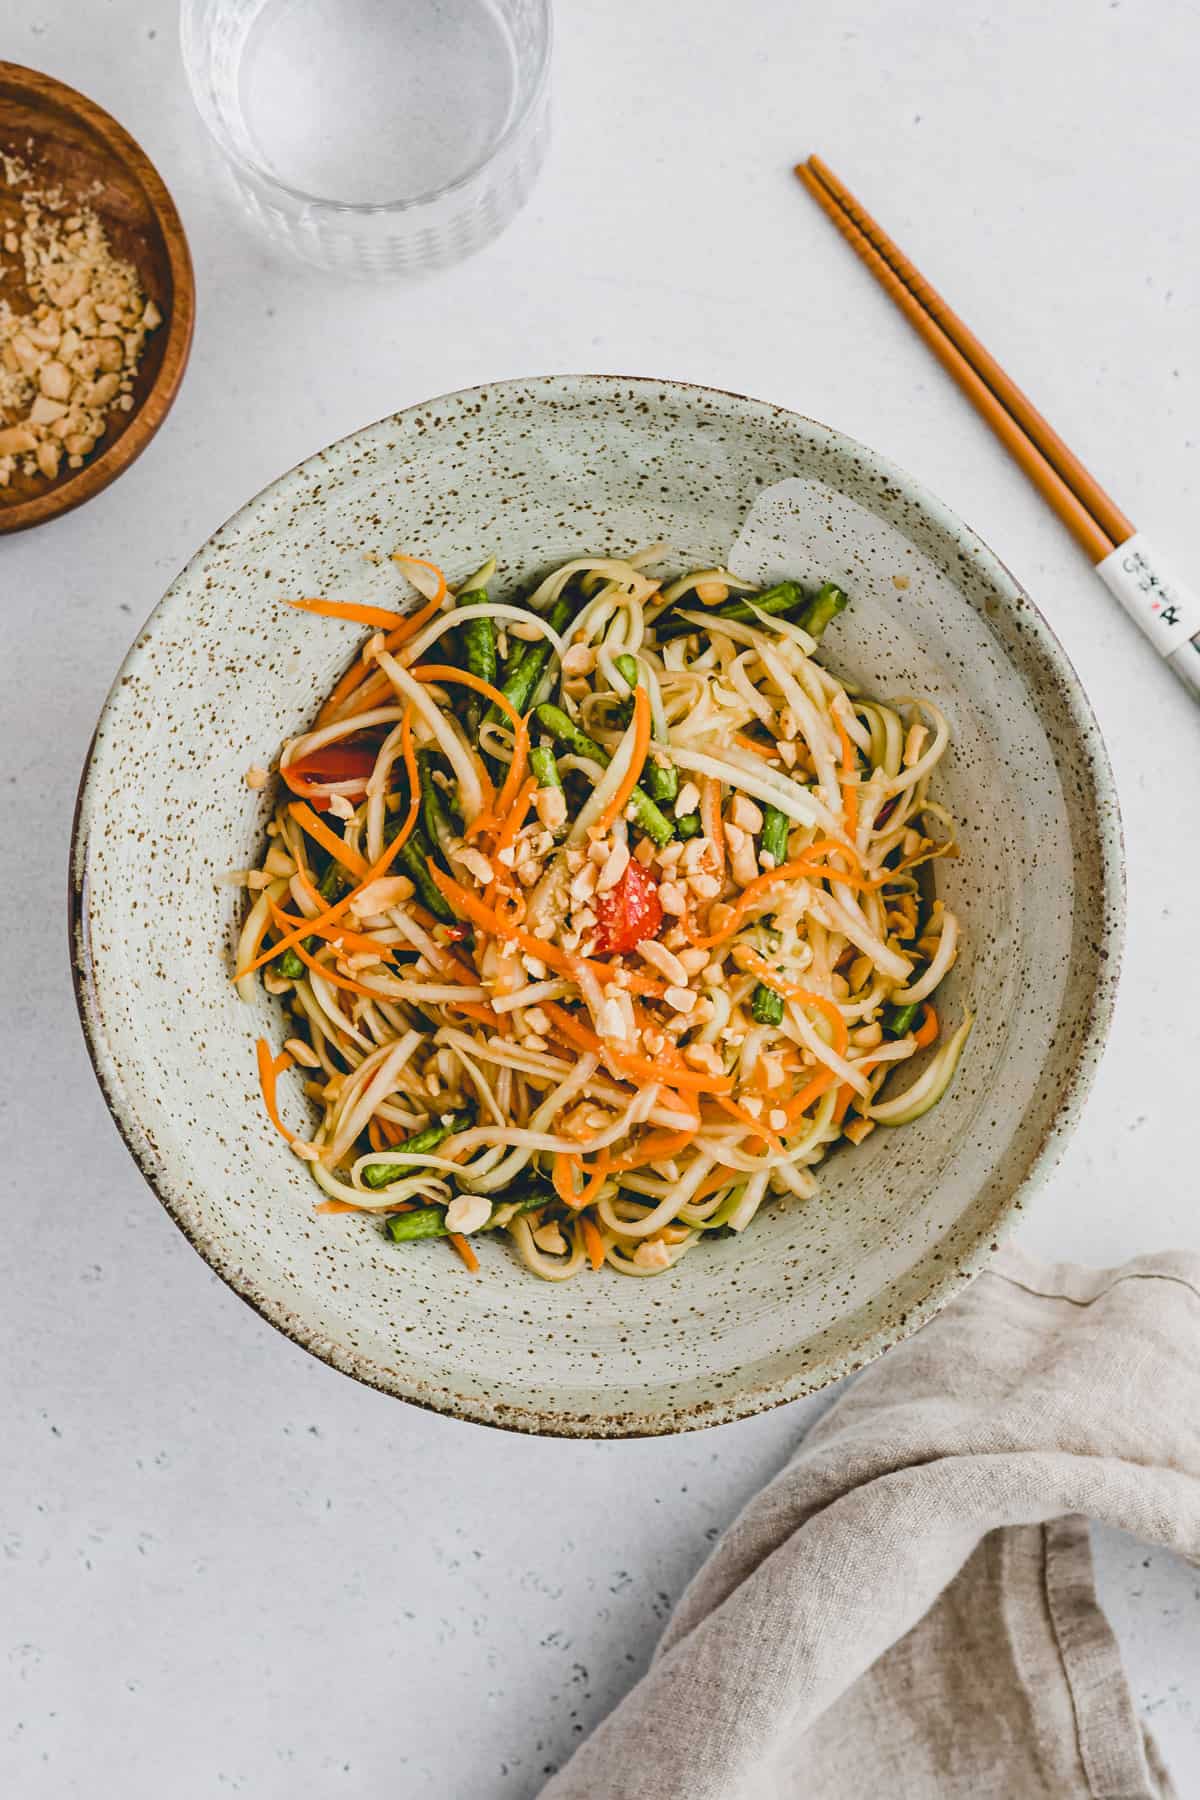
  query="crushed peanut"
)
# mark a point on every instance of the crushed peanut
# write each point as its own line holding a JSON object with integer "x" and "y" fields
{"x": 378, "y": 895}
{"x": 665, "y": 961}
{"x": 550, "y": 804}
{"x": 70, "y": 359}
{"x": 615, "y": 865}
{"x": 256, "y": 777}
{"x": 653, "y": 1254}
{"x": 745, "y": 814}
{"x": 468, "y": 1212}
{"x": 687, "y": 800}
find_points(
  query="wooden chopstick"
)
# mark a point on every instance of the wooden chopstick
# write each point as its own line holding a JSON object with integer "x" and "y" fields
{"x": 1163, "y": 607}
{"x": 1021, "y": 446}
{"x": 1083, "y": 484}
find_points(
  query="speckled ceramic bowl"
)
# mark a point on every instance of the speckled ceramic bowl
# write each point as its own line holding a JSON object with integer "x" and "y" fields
{"x": 539, "y": 471}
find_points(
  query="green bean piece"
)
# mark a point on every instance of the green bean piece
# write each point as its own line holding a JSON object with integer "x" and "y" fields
{"x": 478, "y": 639}
{"x": 414, "y": 860}
{"x": 774, "y": 840}
{"x": 654, "y": 823}
{"x": 522, "y": 676}
{"x": 435, "y": 815}
{"x": 784, "y": 597}
{"x": 289, "y": 967}
{"x": 554, "y": 720}
{"x": 422, "y": 1222}
{"x": 628, "y": 666}
{"x": 660, "y": 783}
{"x": 898, "y": 1021}
{"x": 825, "y": 606}
{"x": 689, "y": 826}
{"x": 378, "y": 1175}
{"x": 766, "y": 1005}
{"x": 430, "y": 1221}
{"x": 544, "y": 764}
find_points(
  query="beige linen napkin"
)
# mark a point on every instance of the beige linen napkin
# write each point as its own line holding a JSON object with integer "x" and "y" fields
{"x": 907, "y": 1612}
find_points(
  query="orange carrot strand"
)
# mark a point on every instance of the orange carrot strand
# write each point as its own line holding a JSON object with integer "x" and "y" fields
{"x": 329, "y": 840}
{"x": 619, "y": 800}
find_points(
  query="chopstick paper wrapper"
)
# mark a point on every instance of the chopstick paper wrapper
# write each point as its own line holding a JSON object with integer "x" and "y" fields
{"x": 1163, "y": 606}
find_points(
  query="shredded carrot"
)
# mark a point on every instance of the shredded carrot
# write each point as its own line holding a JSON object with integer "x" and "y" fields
{"x": 928, "y": 1030}
{"x": 374, "y": 1135}
{"x": 619, "y": 799}
{"x": 339, "y": 907}
{"x": 464, "y": 1250}
{"x": 800, "y": 1102}
{"x": 593, "y": 1243}
{"x": 402, "y": 560}
{"x": 331, "y": 975}
{"x": 377, "y": 617}
{"x": 849, "y": 788}
{"x": 595, "y": 1178}
{"x": 338, "y": 1206}
{"x": 841, "y": 1105}
{"x": 329, "y": 841}
{"x": 473, "y": 907}
{"x": 566, "y": 1167}
{"x": 374, "y": 685}
{"x": 475, "y": 1009}
{"x": 633, "y": 1067}
{"x": 515, "y": 817}
{"x": 269, "y": 1070}
{"x": 348, "y": 940}
{"x": 710, "y": 818}
{"x": 657, "y": 1147}
{"x": 442, "y": 672}
{"x": 751, "y": 1123}
{"x": 563, "y": 1177}
{"x": 409, "y": 756}
{"x": 767, "y": 752}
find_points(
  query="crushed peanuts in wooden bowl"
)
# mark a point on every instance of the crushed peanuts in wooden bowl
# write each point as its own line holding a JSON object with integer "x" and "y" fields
{"x": 96, "y": 299}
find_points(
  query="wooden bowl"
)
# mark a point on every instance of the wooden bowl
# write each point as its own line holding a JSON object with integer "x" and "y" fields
{"x": 71, "y": 142}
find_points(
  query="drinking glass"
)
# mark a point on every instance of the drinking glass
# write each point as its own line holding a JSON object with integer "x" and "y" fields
{"x": 374, "y": 137}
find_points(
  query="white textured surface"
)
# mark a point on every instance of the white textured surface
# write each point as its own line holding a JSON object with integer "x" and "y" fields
{"x": 227, "y": 1569}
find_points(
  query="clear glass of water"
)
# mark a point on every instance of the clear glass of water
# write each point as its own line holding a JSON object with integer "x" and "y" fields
{"x": 375, "y": 137}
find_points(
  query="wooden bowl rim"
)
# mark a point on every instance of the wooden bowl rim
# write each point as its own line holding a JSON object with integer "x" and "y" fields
{"x": 95, "y": 476}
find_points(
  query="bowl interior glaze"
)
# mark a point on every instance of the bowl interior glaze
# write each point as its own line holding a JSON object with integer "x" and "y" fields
{"x": 538, "y": 471}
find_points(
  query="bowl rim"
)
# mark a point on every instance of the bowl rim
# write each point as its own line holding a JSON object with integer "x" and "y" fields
{"x": 104, "y": 469}
{"x": 745, "y": 1402}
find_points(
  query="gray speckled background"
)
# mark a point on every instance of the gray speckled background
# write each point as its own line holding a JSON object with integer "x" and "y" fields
{"x": 226, "y": 1569}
